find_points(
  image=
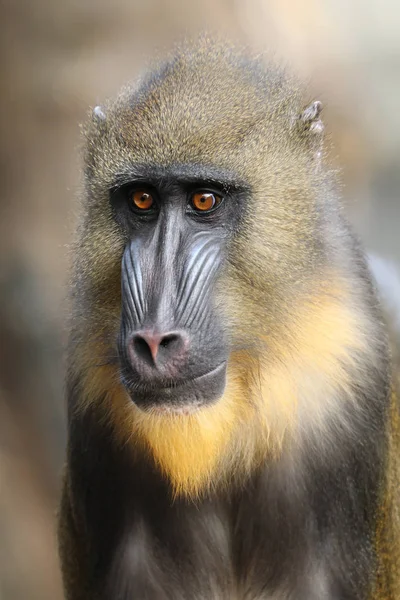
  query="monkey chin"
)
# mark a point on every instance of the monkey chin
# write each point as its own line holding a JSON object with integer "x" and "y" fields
{"x": 186, "y": 433}
{"x": 182, "y": 397}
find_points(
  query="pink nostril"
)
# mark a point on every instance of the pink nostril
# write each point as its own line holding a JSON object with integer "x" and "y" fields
{"x": 152, "y": 347}
{"x": 145, "y": 343}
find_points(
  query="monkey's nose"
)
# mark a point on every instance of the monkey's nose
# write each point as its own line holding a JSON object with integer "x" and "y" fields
{"x": 154, "y": 349}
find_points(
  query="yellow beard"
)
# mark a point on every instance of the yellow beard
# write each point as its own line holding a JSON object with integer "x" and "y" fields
{"x": 263, "y": 400}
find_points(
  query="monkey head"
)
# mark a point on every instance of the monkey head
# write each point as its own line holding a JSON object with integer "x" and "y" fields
{"x": 202, "y": 263}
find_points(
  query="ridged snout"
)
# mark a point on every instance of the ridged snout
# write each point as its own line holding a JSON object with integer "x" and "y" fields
{"x": 168, "y": 328}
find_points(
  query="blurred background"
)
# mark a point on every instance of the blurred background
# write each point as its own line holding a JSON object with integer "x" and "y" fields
{"x": 57, "y": 58}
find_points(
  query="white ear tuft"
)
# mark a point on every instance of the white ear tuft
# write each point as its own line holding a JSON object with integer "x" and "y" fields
{"x": 310, "y": 118}
{"x": 99, "y": 114}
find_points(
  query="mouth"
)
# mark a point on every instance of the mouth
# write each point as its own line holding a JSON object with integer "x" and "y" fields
{"x": 179, "y": 397}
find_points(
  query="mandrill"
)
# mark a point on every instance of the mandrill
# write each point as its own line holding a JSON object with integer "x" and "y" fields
{"x": 232, "y": 420}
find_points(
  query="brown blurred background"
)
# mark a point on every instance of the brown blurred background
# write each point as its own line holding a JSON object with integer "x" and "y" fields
{"x": 57, "y": 58}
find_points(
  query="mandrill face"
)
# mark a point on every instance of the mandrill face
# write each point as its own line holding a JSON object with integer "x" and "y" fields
{"x": 173, "y": 344}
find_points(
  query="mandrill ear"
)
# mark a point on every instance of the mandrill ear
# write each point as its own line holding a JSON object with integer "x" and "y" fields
{"x": 97, "y": 122}
{"x": 309, "y": 119}
{"x": 311, "y": 127}
{"x": 98, "y": 114}
{"x": 94, "y": 129}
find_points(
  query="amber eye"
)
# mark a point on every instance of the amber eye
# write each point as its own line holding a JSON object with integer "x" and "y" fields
{"x": 142, "y": 200}
{"x": 205, "y": 201}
